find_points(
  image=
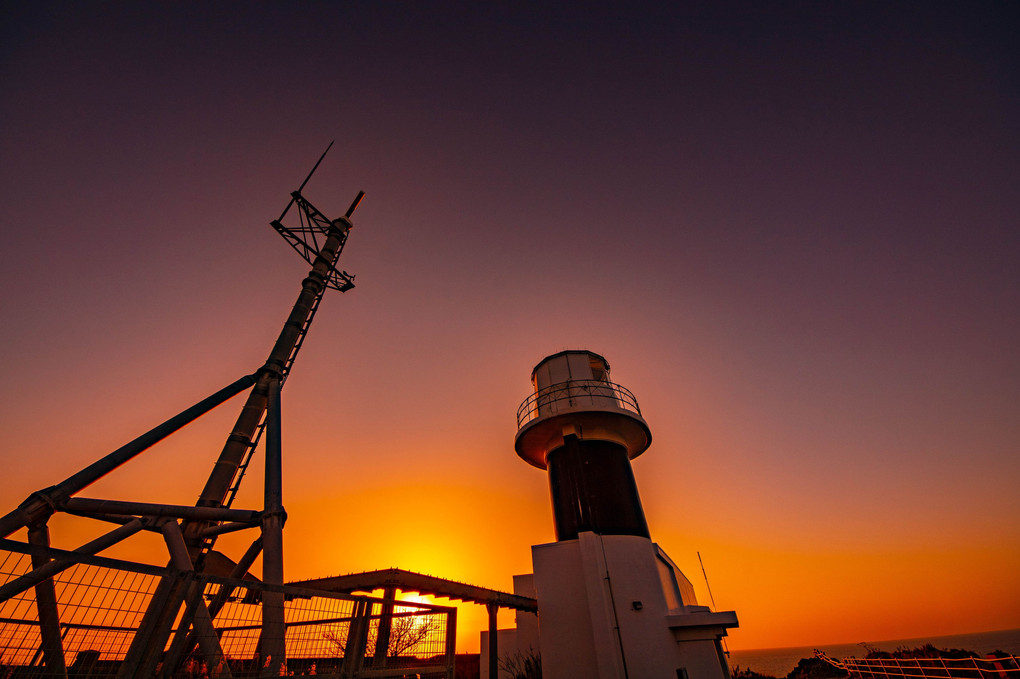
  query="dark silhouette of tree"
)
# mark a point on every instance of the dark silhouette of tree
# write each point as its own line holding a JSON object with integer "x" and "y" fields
{"x": 406, "y": 633}
{"x": 738, "y": 673}
{"x": 522, "y": 665}
{"x": 924, "y": 651}
{"x": 816, "y": 668}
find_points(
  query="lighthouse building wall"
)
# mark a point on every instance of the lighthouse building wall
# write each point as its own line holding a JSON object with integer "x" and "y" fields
{"x": 603, "y": 613}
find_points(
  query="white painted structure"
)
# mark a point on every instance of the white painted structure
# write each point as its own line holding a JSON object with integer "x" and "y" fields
{"x": 604, "y": 611}
{"x": 611, "y": 603}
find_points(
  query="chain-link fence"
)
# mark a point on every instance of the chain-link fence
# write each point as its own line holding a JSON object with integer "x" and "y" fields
{"x": 932, "y": 668}
{"x": 97, "y": 606}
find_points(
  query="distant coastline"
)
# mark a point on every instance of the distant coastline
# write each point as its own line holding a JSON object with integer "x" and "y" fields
{"x": 778, "y": 662}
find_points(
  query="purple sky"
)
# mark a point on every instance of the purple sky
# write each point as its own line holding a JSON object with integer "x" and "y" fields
{"x": 791, "y": 228}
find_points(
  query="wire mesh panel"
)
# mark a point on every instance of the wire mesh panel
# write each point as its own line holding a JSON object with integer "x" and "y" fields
{"x": 933, "y": 668}
{"x": 99, "y": 610}
{"x": 19, "y": 624}
{"x": 101, "y": 604}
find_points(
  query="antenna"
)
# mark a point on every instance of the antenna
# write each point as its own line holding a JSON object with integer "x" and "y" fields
{"x": 314, "y": 168}
{"x": 711, "y": 598}
{"x": 307, "y": 236}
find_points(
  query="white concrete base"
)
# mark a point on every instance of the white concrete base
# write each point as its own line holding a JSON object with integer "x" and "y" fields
{"x": 603, "y": 613}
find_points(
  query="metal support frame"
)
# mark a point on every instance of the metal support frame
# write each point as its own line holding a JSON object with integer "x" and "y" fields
{"x": 193, "y": 538}
{"x": 46, "y": 606}
{"x": 208, "y": 640}
{"x": 50, "y": 568}
{"x": 280, "y": 358}
{"x": 104, "y": 584}
{"x": 493, "y": 609}
{"x": 224, "y": 479}
{"x": 87, "y": 505}
{"x": 43, "y": 503}
{"x": 274, "y": 640}
{"x": 183, "y": 645}
{"x": 147, "y": 647}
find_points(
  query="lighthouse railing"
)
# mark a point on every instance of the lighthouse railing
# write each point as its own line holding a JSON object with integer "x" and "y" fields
{"x": 575, "y": 395}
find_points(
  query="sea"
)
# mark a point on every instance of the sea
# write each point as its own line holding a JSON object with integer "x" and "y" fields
{"x": 778, "y": 662}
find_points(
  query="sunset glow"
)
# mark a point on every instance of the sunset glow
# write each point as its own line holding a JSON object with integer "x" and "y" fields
{"x": 793, "y": 233}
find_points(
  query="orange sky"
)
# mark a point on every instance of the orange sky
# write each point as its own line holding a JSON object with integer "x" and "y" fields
{"x": 442, "y": 492}
{"x": 791, "y": 230}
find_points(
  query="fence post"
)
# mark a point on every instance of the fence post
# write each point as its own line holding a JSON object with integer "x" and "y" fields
{"x": 451, "y": 643}
{"x": 382, "y": 638}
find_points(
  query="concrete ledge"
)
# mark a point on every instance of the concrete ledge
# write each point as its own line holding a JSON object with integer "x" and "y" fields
{"x": 723, "y": 619}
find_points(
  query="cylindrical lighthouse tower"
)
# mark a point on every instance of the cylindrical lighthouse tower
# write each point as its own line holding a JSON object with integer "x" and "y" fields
{"x": 611, "y": 603}
{"x": 585, "y": 430}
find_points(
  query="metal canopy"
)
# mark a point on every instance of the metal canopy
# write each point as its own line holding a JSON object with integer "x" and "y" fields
{"x": 409, "y": 581}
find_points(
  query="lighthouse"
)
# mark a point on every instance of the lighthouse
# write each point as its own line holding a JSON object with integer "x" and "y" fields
{"x": 611, "y": 603}
{"x": 584, "y": 430}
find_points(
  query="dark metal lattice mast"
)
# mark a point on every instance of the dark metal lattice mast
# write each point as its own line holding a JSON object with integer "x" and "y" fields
{"x": 261, "y": 412}
{"x": 190, "y": 532}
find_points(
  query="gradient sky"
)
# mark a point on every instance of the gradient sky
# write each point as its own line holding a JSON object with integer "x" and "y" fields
{"x": 791, "y": 228}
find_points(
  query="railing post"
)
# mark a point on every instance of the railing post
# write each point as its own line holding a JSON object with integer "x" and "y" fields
{"x": 451, "y": 643}
{"x": 357, "y": 639}
{"x": 382, "y": 637}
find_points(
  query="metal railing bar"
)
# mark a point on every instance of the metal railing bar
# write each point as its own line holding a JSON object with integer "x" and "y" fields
{"x": 91, "y": 559}
{"x": 330, "y": 621}
{"x": 576, "y": 390}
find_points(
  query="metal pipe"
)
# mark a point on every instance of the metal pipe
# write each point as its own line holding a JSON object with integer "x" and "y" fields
{"x": 120, "y": 519}
{"x": 183, "y": 645}
{"x": 42, "y": 503}
{"x": 213, "y": 531}
{"x": 274, "y": 646}
{"x": 240, "y": 441}
{"x": 222, "y": 476}
{"x": 46, "y": 608}
{"x": 274, "y": 451}
{"x": 208, "y": 640}
{"x": 150, "y": 639}
{"x": 240, "y": 570}
{"x": 88, "y": 504}
{"x": 354, "y": 204}
{"x": 51, "y": 568}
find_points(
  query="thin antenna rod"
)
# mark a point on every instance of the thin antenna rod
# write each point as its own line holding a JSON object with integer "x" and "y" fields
{"x": 316, "y": 167}
{"x": 712, "y": 598}
{"x": 725, "y": 646}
